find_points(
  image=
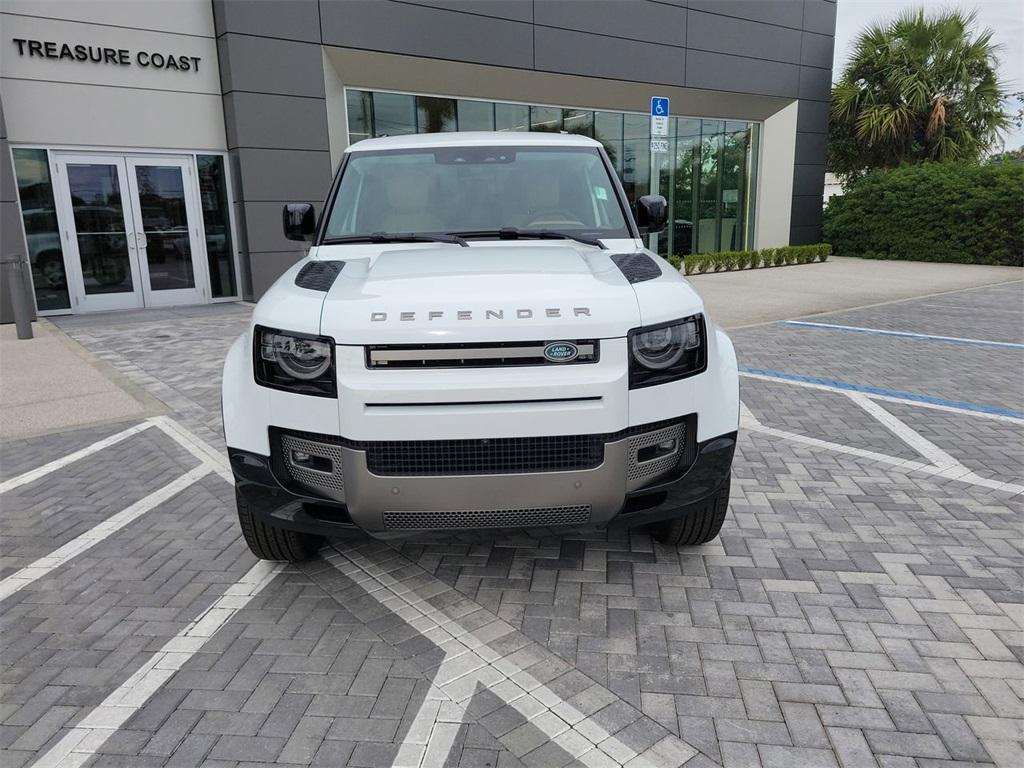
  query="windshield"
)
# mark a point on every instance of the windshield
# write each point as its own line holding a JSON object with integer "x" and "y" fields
{"x": 476, "y": 191}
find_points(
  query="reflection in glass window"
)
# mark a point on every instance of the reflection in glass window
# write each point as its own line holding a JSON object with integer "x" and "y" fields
{"x": 578, "y": 121}
{"x": 476, "y": 115}
{"x": 213, "y": 194}
{"x": 708, "y": 175}
{"x": 394, "y": 114}
{"x": 545, "y": 119}
{"x": 435, "y": 115}
{"x": 42, "y": 233}
{"x": 360, "y": 115}
{"x": 511, "y": 117}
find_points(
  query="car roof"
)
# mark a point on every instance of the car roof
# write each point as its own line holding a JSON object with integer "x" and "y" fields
{"x": 474, "y": 138}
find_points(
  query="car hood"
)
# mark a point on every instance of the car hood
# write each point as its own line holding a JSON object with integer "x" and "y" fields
{"x": 481, "y": 293}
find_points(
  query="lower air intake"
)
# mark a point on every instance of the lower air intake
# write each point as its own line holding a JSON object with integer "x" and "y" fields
{"x": 530, "y": 517}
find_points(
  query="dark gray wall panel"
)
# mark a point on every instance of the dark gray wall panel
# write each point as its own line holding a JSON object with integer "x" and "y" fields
{"x": 275, "y": 122}
{"x": 815, "y": 83}
{"x": 514, "y": 10}
{"x": 820, "y": 17}
{"x": 264, "y": 231}
{"x": 266, "y": 65}
{"x": 12, "y": 233}
{"x": 635, "y": 19}
{"x": 810, "y": 148}
{"x": 812, "y": 116}
{"x": 383, "y": 25}
{"x": 816, "y": 50}
{"x": 788, "y": 13}
{"x": 734, "y": 73}
{"x": 285, "y": 174}
{"x": 725, "y": 34}
{"x": 290, "y": 19}
{"x": 267, "y": 267}
{"x": 805, "y": 235}
{"x": 806, "y": 211}
{"x": 580, "y": 53}
{"x": 808, "y": 179}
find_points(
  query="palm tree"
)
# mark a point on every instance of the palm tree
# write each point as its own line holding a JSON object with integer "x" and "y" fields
{"x": 916, "y": 88}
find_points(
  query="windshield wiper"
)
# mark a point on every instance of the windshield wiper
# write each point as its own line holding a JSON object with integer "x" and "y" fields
{"x": 397, "y": 237}
{"x": 514, "y": 233}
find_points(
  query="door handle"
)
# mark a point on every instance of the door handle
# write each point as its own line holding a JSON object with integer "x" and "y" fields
{"x": 140, "y": 239}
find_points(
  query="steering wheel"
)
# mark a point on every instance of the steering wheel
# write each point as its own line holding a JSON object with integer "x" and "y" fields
{"x": 554, "y": 216}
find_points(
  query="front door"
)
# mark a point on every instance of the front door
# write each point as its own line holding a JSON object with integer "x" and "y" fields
{"x": 132, "y": 231}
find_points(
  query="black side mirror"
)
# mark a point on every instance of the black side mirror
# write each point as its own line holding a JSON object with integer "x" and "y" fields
{"x": 299, "y": 221}
{"x": 651, "y": 213}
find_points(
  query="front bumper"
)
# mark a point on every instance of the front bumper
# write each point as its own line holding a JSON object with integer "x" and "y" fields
{"x": 327, "y": 485}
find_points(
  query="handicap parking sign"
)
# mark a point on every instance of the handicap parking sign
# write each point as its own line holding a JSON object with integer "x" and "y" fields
{"x": 659, "y": 106}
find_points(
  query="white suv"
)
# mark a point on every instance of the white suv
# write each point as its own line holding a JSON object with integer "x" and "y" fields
{"x": 476, "y": 339}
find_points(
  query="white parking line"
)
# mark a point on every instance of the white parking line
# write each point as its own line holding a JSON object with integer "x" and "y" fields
{"x": 469, "y": 662}
{"x": 195, "y": 445}
{"x": 98, "y": 533}
{"x": 905, "y": 334}
{"x": 938, "y": 457}
{"x": 53, "y": 466}
{"x": 80, "y": 744}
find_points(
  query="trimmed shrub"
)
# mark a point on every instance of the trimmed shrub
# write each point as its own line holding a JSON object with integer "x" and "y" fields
{"x": 699, "y": 263}
{"x": 952, "y": 212}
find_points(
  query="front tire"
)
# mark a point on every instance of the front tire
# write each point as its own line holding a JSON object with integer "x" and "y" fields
{"x": 700, "y": 525}
{"x": 270, "y": 542}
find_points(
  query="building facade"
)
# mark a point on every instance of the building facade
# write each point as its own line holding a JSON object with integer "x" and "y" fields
{"x": 148, "y": 147}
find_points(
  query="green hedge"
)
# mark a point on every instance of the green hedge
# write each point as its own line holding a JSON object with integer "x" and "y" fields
{"x": 959, "y": 212}
{"x": 699, "y": 263}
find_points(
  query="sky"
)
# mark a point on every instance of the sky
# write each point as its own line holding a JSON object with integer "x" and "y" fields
{"x": 1004, "y": 17}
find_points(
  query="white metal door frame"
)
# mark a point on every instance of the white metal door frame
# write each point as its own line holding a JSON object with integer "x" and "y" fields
{"x": 197, "y": 244}
{"x": 82, "y": 300}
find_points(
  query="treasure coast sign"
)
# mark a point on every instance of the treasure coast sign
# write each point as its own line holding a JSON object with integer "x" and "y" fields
{"x": 123, "y": 57}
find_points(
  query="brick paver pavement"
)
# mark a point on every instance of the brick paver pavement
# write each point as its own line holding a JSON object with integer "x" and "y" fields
{"x": 862, "y": 606}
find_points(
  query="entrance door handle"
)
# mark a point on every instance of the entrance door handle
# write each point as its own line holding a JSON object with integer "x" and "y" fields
{"x": 140, "y": 239}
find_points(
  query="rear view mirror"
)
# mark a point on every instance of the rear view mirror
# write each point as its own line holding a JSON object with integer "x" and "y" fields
{"x": 651, "y": 213}
{"x": 299, "y": 221}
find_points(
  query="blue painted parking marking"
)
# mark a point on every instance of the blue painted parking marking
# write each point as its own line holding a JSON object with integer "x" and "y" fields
{"x": 911, "y": 396}
{"x": 905, "y": 334}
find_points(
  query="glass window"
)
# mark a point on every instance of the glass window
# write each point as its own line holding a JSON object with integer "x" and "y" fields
{"x": 708, "y": 175}
{"x": 360, "y": 115}
{"x": 578, "y": 121}
{"x": 435, "y": 115}
{"x": 545, "y": 119}
{"x": 511, "y": 117}
{"x": 708, "y": 211}
{"x": 394, "y": 114}
{"x": 476, "y": 115}
{"x": 213, "y": 195}
{"x": 42, "y": 232}
{"x": 464, "y": 189}
{"x": 608, "y": 130}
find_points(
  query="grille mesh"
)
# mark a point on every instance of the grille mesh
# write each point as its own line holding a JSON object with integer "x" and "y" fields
{"x": 647, "y": 469}
{"x": 313, "y": 479}
{"x": 319, "y": 275}
{"x": 637, "y": 267}
{"x": 505, "y": 455}
{"x": 489, "y": 518}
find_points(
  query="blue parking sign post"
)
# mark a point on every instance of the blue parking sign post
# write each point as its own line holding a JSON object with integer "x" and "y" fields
{"x": 659, "y": 149}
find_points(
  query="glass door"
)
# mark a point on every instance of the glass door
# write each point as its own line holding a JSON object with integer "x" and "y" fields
{"x": 103, "y": 271}
{"x": 166, "y": 230}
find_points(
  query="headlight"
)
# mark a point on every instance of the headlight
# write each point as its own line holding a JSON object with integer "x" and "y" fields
{"x": 295, "y": 362}
{"x": 666, "y": 352}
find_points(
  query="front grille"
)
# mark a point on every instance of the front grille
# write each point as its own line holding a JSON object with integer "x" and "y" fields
{"x": 479, "y": 355}
{"x": 530, "y": 517}
{"x": 495, "y": 456}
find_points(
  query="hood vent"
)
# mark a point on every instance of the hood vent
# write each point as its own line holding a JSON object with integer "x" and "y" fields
{"x": 319, "y": 275}
{"x": 637, "y": 267}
